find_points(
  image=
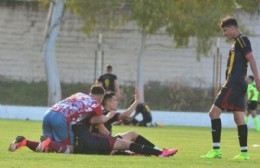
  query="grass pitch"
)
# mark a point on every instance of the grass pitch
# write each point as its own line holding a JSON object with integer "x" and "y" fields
{"x": 191, "y": 142}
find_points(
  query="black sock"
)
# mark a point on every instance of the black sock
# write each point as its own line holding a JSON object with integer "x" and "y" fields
{"x": 242, "y": 137}
{"x": 142, "y": 149}
{"x": 216, "y": 132}
{"x": 143, "y": 141}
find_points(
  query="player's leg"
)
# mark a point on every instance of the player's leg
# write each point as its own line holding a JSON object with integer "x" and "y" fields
{"x": 255, "y": 120}
{"x": 21, "y": 141}
{"x": 48, "y": 145}
{"x": 48, "y": 118}
{"x": 56, "y": 134}
{"x": 216, "y": 127}
{"x": 253, "y": 108}
{"x": 55, "y": 126}
{"x": 121, "y": 144}
{"x": 137, "y": 138}
{"x": 104, "y": 144}
{"x": 242, "y": 135}
{"x": 147, "y": 120}
{"x": 239, "y": 107}
{"x": 247, "y": 114}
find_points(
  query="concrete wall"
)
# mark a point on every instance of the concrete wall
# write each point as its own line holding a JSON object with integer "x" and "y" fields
{"x": 160, "y": 117}
{"x": 21, "y": 57}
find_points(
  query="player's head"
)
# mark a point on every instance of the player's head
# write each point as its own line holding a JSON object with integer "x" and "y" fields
{"x": 229, "y": 27}
{"x": 98, "y": 92}
{"x": 109, "y": 68}
{"x": 228, "y": 21}
{"x": 110, "y": 101}
{"x": 251, "y": 78}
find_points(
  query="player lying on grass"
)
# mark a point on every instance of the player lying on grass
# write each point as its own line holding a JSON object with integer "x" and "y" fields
{"x": 95, "y": 143}
{"x": 110, "y": 103}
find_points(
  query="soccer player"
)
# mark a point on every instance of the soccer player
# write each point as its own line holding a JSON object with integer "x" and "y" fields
{"x": 109, "y": 81}
{"x": 252, "y": 102}
{"x": 86, "y": 142}
{"x": 94, "y": 143}
{"x": 110, "y": 103}
{"x": 58, "y": 119}
{"x": 232, "y": 95}
{"x": 144, "y": 110}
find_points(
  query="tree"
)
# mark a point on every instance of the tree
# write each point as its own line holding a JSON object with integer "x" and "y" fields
{"x": 98, "y": 16}
{"x": 149, "y": 16}
{"x": 181, "y": 19}
{"x": 52, "y": 28}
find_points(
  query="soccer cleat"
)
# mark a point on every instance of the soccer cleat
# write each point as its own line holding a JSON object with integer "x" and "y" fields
{"x": 168, "y": 152}
{"x": 212, "y": 154}
{"x": 44, "y": 145}
{"x": 19, "y": 142}
{"x": 242, "y": 156}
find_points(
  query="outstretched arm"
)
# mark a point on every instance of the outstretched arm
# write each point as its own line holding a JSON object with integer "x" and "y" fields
{"x": 131, "y": 109}
{"x": 250, "y": 58}
{"x": 102, "y": 118}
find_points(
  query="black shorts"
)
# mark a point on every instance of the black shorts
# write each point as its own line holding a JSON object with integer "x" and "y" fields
{"x": 252, "y": 105}
{"x": 91, "y": 143}
{"x": 232, "y": 98}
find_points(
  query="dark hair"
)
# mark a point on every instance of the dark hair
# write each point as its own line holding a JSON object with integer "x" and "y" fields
{"x": 97, "y": 90}
{"x": 251, "y": 78}
{"x": 109, "y": 68}
{"x": 228, "y": 21}
{"x": 107, "y": 97}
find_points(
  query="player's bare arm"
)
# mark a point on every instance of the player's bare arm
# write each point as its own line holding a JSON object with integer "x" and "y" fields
{"x": 250, "y": 58}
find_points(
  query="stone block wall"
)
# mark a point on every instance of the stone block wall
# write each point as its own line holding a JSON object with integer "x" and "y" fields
{"x": 21, "y": 55}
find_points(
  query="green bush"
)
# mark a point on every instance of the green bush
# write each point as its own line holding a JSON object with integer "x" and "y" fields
{"x": 171, "y": 97}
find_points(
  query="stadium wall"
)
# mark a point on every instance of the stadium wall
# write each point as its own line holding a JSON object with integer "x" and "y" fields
{"x": 22, "y": 37}
{"x": 162, "y": 118}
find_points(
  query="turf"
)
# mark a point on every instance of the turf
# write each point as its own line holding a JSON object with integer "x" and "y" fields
{"x": 191, "y": 141}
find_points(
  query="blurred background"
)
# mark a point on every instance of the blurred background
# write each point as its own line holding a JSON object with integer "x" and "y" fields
{"x": 172, "y": 50}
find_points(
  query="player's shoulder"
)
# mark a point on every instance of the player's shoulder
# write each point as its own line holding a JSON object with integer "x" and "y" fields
{"x": 112, "y": 75}
{"x": 243, "y": 41}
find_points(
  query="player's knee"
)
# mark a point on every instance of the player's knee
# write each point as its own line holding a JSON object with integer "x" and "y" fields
{"x": 133, "y": 133}
{"x": 214, "y": 113}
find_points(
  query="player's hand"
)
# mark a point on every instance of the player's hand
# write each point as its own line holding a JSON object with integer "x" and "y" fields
{"x": 137, "y": 95}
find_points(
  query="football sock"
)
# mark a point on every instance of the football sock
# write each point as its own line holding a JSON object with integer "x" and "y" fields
{"x": 32, "y": 145}
{"x": 143, "y": 141}
{"x": 58, "y": 147}
{"x": 142, "y": 149}
{"x": 242, "y": 137}
{"x": 216, "y": 132}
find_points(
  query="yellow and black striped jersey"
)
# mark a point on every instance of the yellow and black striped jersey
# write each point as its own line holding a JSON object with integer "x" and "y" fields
{"x": 236, "y": 71}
